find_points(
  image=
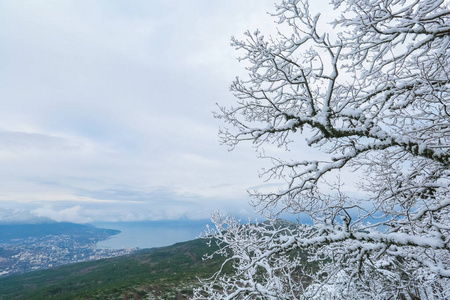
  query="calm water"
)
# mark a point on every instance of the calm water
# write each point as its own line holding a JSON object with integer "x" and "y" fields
{"x": 150, "y": 234}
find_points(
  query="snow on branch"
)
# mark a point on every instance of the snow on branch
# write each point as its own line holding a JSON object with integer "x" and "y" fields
{"x": 373, "y": 94}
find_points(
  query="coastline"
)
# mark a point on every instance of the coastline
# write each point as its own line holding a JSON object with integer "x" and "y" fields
{"x": 151, "y": 234}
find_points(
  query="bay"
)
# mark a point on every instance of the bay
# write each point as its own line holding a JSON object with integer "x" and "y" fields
{"x": 151, "y": 234}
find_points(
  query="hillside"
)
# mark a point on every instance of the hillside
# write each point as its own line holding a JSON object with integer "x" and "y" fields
{"x": 162, "y": 272}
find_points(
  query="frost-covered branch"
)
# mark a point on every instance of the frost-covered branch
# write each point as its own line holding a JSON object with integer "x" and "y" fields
{"x": 372, "y": 95}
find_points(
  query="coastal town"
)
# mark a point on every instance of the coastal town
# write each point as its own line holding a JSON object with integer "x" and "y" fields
{"x": 26, "y": 254}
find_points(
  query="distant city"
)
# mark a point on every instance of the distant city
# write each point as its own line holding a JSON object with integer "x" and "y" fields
{"x": 25, "y": 248}
{"x": 37, "y": 246}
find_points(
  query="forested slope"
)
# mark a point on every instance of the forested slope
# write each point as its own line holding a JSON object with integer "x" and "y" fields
{"x": 165, "y": 273}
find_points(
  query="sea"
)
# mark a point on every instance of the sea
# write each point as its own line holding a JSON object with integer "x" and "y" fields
{"x": 151, "y": 234}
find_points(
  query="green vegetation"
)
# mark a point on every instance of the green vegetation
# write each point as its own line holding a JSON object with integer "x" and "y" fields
{"x": 165, "y": 273}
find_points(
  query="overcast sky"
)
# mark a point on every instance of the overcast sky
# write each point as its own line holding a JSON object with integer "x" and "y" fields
{"x": 106, "y": 108}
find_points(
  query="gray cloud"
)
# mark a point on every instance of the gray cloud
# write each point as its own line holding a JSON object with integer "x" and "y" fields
{"x": 107, "y": 108}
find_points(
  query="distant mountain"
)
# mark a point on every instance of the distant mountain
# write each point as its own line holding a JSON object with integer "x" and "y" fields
{"x": 163, "y": 273}
{"x": 9, "y": 232}
{"x": 20, "y": 216}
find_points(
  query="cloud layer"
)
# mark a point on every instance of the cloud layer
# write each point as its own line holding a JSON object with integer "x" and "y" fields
{"x": 107, "y": 108}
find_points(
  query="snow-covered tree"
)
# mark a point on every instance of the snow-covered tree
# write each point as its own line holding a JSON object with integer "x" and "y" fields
{"x": 371, "y": 95}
